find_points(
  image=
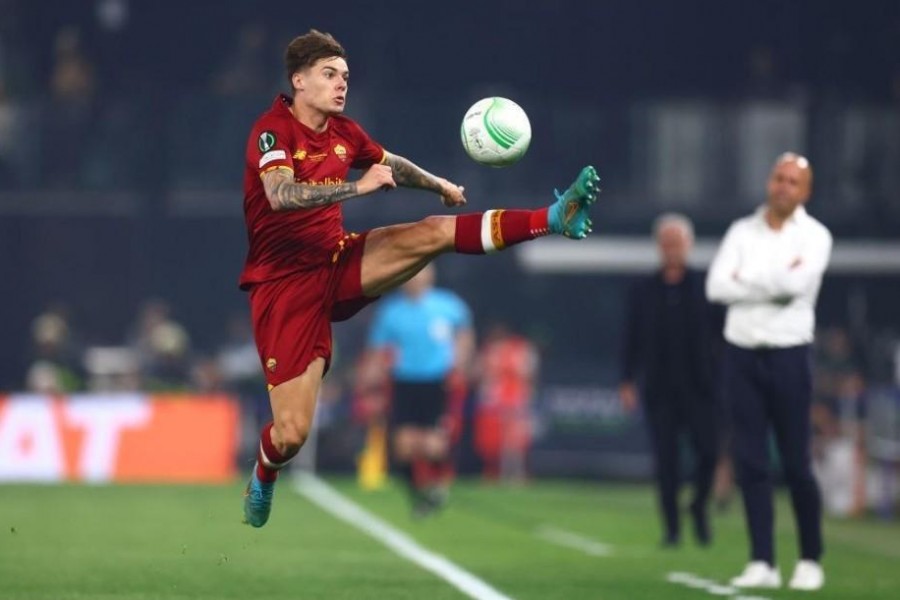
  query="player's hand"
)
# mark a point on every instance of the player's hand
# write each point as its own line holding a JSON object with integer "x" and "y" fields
{"x": 451, "y": 194}
{"x": 377, "y": 177}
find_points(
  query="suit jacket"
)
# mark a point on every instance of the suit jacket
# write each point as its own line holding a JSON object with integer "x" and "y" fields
{"x": 641, "y": 361}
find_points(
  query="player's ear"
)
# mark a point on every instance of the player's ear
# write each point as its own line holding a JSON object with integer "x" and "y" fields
{"x": 297, "y": 81}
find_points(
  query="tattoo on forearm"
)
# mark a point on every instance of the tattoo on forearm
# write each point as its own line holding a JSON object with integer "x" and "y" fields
{"x": 409, "y": 175}
{"x": 285, "y": 194}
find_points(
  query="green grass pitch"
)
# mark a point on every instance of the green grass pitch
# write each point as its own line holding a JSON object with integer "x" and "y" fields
{"x": 186, "y": 542}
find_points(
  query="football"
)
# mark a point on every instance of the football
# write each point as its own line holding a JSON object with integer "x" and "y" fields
{"x": 496, "y": 132}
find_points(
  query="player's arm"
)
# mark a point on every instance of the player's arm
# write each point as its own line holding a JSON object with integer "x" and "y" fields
{"x": 284, "y": 193}
{"x": 408, "y": 174}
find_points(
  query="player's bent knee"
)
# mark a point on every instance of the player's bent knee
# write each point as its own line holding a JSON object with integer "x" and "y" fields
{"x": 292, "y": 433}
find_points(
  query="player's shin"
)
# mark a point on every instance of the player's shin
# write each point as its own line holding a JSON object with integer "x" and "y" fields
{"x": 494, "y": 230}
{"x": 269, "y": 461}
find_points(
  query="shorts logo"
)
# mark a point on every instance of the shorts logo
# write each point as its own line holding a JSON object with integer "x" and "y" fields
{"x": 340, "y": 152}
{"x": 300, "y": 154}
{"x": 266, "y": 141}
{"x": 271, "y": 364}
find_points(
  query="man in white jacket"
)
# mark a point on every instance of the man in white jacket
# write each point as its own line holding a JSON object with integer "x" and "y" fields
{"x": 768, "y": 271}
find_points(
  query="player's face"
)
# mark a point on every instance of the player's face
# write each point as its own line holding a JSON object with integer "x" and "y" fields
{"x": 323, "y": 86}
{"x": 789, "y": 186}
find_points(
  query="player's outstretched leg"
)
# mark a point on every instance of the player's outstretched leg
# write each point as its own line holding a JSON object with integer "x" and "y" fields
{"x": 568, "y": 216}
{"x": 258, "y": 500}
{"x": 493, "y": 230}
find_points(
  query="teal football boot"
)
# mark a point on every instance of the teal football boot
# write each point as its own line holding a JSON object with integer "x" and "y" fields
{"x": 258, "y": 500}
{"x": 568, "y": 216}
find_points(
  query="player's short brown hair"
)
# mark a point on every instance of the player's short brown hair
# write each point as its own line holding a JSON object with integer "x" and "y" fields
{"x": 305, "y": 50}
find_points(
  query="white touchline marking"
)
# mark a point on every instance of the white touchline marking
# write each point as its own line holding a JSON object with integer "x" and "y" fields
{"x": 573, "y": 540}
{"x": 695, "y": 581}
{"x": 330, "y": 500}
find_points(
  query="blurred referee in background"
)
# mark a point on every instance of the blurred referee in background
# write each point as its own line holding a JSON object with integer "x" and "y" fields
{"x": 424, "y": 336}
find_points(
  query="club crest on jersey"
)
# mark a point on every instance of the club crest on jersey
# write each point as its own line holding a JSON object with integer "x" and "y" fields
{"x": 271, "y": 364}
{"x": 340, "y": 152}
{"x": 266, "y": 141}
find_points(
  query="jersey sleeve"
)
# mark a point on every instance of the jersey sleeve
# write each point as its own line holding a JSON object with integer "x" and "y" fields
{"x": 269, "y": 146}
{"x": 368, "y": 151}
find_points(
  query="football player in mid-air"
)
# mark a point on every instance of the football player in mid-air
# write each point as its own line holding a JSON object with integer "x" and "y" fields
{"x": 303, "y": 271}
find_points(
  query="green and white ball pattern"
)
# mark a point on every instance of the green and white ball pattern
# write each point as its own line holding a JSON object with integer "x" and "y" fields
{"x": 496, "y": 132}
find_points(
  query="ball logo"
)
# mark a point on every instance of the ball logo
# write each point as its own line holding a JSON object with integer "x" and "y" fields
{"x": 266, "y": 141}
{"x": 271, "y": 364}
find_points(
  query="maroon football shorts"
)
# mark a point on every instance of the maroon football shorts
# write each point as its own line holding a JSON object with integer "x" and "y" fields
{"x": 292, "y": 315}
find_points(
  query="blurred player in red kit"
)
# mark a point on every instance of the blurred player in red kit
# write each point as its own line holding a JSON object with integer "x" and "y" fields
{"x": 303, "y": 271}
{"x": 507, "y": 364}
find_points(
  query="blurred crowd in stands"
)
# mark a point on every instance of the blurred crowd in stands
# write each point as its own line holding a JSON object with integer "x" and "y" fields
{"x": 851, "y": 423}
{"x": 155, "y": 355}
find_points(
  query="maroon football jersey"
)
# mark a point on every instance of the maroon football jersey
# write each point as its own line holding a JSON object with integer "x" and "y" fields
{"x": 285, "y": 242}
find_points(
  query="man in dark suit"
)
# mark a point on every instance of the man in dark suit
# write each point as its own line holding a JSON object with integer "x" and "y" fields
{"x": 667, "y": 360}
